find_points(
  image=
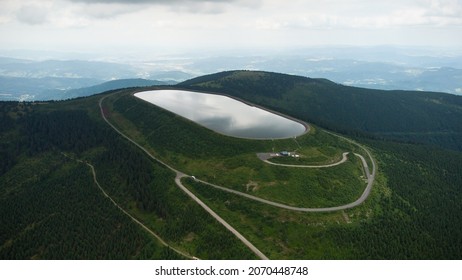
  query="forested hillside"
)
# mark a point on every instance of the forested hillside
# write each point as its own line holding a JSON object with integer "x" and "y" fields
{"x": 425, "y": 117}
{"x": 51, "y": 207}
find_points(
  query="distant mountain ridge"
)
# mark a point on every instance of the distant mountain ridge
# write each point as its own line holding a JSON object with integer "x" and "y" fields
{"x": 29, "y": 89}
{"x": 28, "y": 80}
{"x": 32, "y": 89}
{"x": 111, "y": 85}
{"x": 425, "y": 117}
{"x": 98, "y": 70}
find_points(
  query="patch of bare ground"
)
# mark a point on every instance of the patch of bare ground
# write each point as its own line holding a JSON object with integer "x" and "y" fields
{"x": 252, "y": 186}
{"x": 345, "y": 216}
{"x": 190, "y": 237}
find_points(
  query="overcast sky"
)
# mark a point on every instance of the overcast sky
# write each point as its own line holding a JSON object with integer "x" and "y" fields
{"x": 169, "y": 26}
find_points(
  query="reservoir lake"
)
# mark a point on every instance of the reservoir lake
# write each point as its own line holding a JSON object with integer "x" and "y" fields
{"x": 224, "y": 115}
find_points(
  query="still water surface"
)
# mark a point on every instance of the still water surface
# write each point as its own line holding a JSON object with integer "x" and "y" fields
{"x": 223, "y": 114}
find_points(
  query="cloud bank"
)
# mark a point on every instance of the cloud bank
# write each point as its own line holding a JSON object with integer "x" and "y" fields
{"x": 204, "y": 24}
{"x": 32, "y": 14}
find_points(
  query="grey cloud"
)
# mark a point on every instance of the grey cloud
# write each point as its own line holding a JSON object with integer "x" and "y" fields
{"x": 188, "y": 6}
{"x": 32, "y": 14}
{"x": 163, "y": 2}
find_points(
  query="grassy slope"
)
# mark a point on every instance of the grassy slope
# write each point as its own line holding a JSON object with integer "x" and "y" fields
{"x": 233, "y": 163}
{"x": 412, "y": 213}
{"x": 266, "y": 226}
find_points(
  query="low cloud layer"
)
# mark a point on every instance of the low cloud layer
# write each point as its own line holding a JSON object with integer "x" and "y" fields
{"x": 187, "y": 6}
{"x": 204, "y": 24}
{"x": 151, "y": 2}
{"x": 32, "y": 14}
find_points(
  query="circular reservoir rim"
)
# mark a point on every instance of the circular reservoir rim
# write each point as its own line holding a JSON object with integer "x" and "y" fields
{"x": 306, "y": 125}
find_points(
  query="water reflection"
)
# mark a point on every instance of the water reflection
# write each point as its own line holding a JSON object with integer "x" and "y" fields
{"x": 223, "y": 114}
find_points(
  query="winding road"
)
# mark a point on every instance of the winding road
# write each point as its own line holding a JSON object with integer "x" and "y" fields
{"x": 95, "y": 180}
{"x": 179, "y": 175}
{"x": 254, "y": 249}
{"x": 266, "y": 156}
{"x": 362, "y": 198}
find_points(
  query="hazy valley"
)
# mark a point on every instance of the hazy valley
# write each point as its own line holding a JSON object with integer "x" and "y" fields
{"x": 43, "y": 77}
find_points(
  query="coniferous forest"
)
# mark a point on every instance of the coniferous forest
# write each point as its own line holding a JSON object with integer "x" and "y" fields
{"x": 51, "y": 207}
